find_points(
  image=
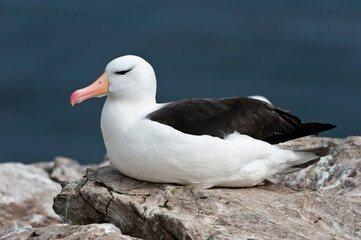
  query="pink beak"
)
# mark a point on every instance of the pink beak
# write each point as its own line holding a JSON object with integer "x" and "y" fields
{"x": 99, "y": 87}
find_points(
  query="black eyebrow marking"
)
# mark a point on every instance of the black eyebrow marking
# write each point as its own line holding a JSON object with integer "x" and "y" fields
{"x": 122, "y": 72}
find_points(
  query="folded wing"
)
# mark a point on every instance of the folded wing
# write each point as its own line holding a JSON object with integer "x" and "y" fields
{"x": 224, "y": 116}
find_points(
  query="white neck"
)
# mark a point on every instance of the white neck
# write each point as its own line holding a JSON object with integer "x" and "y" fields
{"x": 119, "y": 116}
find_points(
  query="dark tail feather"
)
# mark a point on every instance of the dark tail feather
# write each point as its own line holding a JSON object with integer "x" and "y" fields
{"x": 318, "y": 151}
{"x": 313, "y": 128}
{"x": 303, "y": 130}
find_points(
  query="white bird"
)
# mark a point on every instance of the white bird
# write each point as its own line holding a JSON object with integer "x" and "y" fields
{"x": 202, "y": 142}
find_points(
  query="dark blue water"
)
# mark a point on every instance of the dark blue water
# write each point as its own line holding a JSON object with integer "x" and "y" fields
{"x": 303, "y": 55}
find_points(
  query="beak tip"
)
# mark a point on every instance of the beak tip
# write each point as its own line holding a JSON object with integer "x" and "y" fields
{"x": 73, "y": 98}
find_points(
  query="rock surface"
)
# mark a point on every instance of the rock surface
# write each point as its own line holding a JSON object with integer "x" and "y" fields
{"x": 166, "y": 211}
{"x": 22, "y": 230}
{"x": 26, "y": 193}
{"x": 337, "y": 173}
{"x": 64, "y": 169}
{"x": 26, "y": 199}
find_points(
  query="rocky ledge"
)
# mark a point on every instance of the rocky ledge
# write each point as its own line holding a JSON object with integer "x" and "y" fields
{"x": 320, "y": 202}
{"x": 26, "y": 199}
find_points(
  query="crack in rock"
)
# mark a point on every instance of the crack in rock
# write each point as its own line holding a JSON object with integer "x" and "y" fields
{"x": 107, "y": 207}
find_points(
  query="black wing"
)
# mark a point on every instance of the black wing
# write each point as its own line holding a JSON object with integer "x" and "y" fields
{"x": 220, "y": 117}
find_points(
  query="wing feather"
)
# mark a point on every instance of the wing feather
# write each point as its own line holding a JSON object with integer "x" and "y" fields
{"x": 224, "y": 116}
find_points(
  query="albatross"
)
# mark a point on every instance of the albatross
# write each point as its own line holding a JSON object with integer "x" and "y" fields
{"x": 205, "y": 142}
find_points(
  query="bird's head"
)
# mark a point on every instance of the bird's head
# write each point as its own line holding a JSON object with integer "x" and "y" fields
{"x": 127, "y": 78}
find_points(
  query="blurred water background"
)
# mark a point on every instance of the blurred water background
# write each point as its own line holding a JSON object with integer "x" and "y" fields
{"x": 303, "y": 55}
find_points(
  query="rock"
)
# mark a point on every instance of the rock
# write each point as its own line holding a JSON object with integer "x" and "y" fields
{"x": 16, "y": 230}
{"x": 64, "y": 169}
{"x": 26, "y": 194}
{"x": 21, "y": 230}
{"x": 337, "y": 173}
{"x": 27, "y": 191}
{"x": 75, "y": 232}
{"x": 166, "y": 211}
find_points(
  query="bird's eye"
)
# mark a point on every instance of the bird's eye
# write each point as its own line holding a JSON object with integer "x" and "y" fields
{"x": 122, "y": 72}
